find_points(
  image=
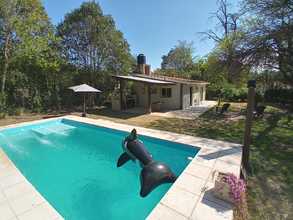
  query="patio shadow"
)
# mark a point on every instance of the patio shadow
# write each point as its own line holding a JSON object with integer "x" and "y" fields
{"x": 220, "y": 153}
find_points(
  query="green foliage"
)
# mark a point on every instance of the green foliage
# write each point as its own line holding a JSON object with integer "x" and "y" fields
{"x": 31, "y": 59}
{"x": 269, "y": 36}
{"x": 91, "y": 43}
{"x": 38, "y": 62}
{"x": 225, "y": 67}
{"x": 282, "y": 96}
{"x": 228, "y": 37}
{"x": 231, "y": 93}
{"x": 227, "y": 92}
{"x": 229, "y": 54}
{"x": 2, "y": 103}
{"x": 178, "y": 58}
{"x": 38, "y": 65}
{"x": 270, "y": 188}
{"x": 212, "y": 70}
{"x": 15, "y": 111}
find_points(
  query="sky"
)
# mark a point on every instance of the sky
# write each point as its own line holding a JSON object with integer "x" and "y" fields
{"x": 152, "y": 27}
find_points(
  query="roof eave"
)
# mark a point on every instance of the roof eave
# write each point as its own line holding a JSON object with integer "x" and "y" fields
{"x": 145, "y": 82}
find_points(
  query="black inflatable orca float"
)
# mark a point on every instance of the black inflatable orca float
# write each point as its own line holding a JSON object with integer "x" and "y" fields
{"x": 153, "y": 173}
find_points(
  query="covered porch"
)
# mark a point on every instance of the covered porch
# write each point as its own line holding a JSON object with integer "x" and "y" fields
{"x": 188, "y": 113}
{"x": 143, "y": 100}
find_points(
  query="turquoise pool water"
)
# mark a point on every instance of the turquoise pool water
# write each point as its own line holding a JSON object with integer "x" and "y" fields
{"x": 73, "y": 165}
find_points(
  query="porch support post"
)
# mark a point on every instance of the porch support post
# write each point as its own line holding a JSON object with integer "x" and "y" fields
{"x": 181, "y": 96}
{"x": 149, "y": 107}
{"x": 84, "y": 108}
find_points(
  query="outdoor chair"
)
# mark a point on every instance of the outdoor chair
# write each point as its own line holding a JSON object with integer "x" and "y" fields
{"x": 225, "y": 108}
{"x": 259, "y": 111}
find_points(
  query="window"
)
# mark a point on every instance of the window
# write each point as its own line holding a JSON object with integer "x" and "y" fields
{"x": 166, "y": 92}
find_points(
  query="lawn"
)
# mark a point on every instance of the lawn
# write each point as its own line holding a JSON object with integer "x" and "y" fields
{"x": 270, "y": 185}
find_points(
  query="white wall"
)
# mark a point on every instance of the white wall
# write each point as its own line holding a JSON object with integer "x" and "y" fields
{"x": 167, "y": 103}
{"x": 171, "y": 103}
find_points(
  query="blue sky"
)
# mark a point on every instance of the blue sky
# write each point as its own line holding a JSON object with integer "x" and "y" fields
{"x": 152, "y": 27}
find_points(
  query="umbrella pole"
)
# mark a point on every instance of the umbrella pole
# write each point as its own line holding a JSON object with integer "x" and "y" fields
{"x": 83, "y": 114}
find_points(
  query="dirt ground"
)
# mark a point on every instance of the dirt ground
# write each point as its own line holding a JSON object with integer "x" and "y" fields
{"x": 138, "y": 120}
{"x": 8, "y": 120}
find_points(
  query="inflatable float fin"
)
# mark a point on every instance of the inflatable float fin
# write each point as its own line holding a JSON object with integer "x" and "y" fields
{"x": 153, "y": 175}
{"x": 124, "y": 158}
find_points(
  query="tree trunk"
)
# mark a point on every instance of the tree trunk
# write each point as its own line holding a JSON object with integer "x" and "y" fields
{"x": 6, "y": 62}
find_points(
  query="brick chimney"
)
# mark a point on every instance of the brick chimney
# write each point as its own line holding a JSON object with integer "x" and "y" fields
{"x": 147, "y": 69}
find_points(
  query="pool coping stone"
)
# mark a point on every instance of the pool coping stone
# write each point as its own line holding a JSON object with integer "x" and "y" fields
{"x": 189, "y": 198}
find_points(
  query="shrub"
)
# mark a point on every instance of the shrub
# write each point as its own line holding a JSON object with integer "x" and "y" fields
{"x": 2, "y": 115}
{"x": 233, "y": 94}
{"x": 228, "y": 93}
{"x": 12, "y": 110}
{"x": 2, "y": 105}
{"x": 19, "y": 111}
{"x": 281, "y": 96}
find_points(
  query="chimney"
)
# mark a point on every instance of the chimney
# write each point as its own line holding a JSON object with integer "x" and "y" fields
{"x": 141, "y": 68}
{"x": 147, "y": 70}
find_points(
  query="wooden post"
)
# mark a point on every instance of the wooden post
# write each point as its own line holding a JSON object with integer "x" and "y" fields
{"x": 181, "y": 96}
{"x": 248, "y": 124}
{"x": 121, "y": 95}
{"x": 149, "y": 107}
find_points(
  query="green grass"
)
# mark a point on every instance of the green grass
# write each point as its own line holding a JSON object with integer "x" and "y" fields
{"x": 270, "y": 185}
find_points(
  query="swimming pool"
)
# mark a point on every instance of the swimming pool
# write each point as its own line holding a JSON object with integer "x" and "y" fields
{"x": 73, "y": 165}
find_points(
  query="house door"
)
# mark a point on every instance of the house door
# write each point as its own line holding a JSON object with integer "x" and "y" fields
{"x": 191, "y": 96}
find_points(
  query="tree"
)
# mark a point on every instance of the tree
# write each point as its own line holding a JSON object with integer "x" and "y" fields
{"x": 269, "y": 30}
{"x": 228, "y": 37}
{"x": 7, "y": 17}
{"x": 92, "y": 44}
{"x": 178, "y": 58}
{"x": 26, "y": 42}
{"x": 227, "y": 22}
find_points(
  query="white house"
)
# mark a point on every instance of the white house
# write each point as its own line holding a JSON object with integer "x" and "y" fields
{"x": 157, "y": 92}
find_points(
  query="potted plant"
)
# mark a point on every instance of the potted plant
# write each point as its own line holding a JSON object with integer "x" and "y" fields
{"x": 229, "y": 187}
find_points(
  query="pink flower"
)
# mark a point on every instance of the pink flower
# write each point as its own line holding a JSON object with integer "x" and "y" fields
{"x": 237, "y": 187}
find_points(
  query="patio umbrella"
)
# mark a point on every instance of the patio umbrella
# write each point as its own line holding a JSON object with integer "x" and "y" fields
{"x": 84, "y": 89}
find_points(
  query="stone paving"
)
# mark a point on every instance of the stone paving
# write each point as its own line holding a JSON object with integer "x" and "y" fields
{"x": 190, "y": 197}
{"x": 189, "y": 113}
{"x": 19, "y": 200}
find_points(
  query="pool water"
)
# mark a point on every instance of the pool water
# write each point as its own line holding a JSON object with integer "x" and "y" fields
{"x": 73, "y": 165}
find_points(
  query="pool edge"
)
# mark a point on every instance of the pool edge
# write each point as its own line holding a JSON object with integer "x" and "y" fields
{"x": 19, "y": 197}
{"x": 183, "y": 200}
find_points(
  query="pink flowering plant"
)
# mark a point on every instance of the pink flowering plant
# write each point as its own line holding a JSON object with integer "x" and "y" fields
{"x": 229, "y": 188}
{"x": 236, "y": 185}
{"x": 232, "y": 189}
